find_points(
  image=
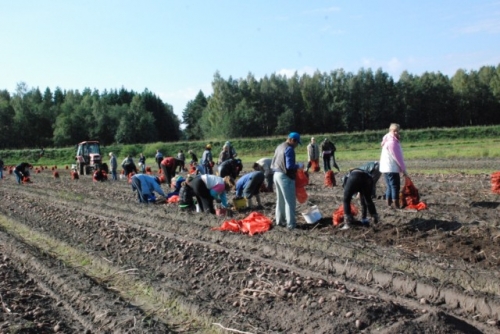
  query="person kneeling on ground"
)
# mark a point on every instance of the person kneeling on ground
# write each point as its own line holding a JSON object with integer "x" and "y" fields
{"x": 248, "y": 186}
{"x": 208, "y": 187}
{"x": 146, "y": 185}
{"x": 358, "y": 181}
{"x": 186, "y": 194}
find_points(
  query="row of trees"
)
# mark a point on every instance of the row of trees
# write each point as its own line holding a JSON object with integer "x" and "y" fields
{"x": 343, "y": 102}
{"x": 29, "y": 118}
{"x": 274, "y": 105}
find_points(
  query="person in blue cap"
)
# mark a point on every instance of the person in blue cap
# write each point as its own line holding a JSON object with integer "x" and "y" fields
{"x": 285, "y": 170}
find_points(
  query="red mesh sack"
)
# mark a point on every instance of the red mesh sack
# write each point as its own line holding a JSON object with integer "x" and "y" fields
{"x": 301, "y": 194}
{"x": 301, "y": 179}
{"x": 338, "y": 215}
{"x": 330, "y": 179}
{"x": 495, "y": 183}
{"x": 409, "y": 195}
{"x": 315, "y": 165}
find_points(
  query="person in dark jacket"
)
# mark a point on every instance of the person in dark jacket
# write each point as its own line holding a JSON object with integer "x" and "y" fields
{"x": 186, "y": 196}
{"x": 1, "y": 169}
{"x": 231, "y": 167}
{"x": 194, "y": 158}
{"x": 372, "y": 168}
{"x": 21, "y": 171}
{"x": 168, "y": 167}
{"x": 128, "y": 165}
{"x": 328, "y": 151}
{"x": 358, "y": 181}
{"x": 142, "y": 163}
{"x": 208, "y": 187}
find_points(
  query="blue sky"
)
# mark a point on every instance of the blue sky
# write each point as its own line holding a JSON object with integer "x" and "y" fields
{"x": 173, "y": 48}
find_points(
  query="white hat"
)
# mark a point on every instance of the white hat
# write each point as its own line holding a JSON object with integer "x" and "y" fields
{"x": 110, "y": 153}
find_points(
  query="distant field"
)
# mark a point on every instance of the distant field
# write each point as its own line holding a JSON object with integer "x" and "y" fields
{"x": 479, "y": 145}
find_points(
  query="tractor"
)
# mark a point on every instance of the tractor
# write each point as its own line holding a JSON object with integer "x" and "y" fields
{"x": 88, "y": 157}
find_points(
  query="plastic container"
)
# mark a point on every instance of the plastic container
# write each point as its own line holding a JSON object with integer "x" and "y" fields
{"x": 312, "y": 215}
{"x": 240, "y": 203}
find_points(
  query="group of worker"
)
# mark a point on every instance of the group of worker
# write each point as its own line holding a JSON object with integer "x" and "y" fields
{"x": 281, "y": 170}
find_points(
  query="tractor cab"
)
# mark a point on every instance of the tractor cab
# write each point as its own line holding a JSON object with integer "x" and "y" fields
{"x": 88, "y": 157}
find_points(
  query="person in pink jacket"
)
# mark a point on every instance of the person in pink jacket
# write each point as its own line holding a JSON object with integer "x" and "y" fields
{"x": 392, "y": 164}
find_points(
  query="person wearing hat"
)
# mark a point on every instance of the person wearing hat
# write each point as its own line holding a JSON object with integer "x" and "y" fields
{"x": 114, "y": 165}
{"x": 313, "y": 155}
{"x": 207, "y": 162}
{"x": 328, "y": 151}
{"x": 146, "y": 185}
{"x": 285, "y": 170}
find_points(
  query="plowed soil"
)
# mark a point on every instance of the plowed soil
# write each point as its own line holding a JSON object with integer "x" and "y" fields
{"x": 78, "y": 256}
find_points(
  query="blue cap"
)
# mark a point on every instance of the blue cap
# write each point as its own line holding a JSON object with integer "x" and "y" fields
{"x": 296, "y": 136}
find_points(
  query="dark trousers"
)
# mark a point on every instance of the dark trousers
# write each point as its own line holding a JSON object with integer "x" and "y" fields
{"x": 362, "y": 183}
{"x": 169, "y": 173}
{"x": 136, "y": 186}
{"x": 202, "y": 193}
{"x": 252, "y": 188}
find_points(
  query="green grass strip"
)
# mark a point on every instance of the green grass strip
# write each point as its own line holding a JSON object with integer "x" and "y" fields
{"x": 137, "y": 292}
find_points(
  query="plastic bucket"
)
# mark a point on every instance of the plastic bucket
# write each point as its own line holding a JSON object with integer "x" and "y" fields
{"x": 240, "y": 203}
{"x": 312, "y": 215}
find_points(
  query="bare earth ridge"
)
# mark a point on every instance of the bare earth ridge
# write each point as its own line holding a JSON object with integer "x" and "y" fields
{"x": 80, "y": 256}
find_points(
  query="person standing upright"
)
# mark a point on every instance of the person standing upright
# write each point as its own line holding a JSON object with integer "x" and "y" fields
{"x": 158, "y": 158}
{"x": 285, "y": 170}
{"x": 142, "y": 163}
{"x": 1, "y": 169}
{"x": 207, "y": 162}
{"x": 313, "y": 155}
{"x": 113, "y": 163}
{"x": 328, "y": 151}
{"x": 392, "y": 164}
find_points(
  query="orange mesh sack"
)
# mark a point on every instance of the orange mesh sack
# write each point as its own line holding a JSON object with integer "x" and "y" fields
{"x": 301, "y": 179}
{"x": 315, "y": 165}
{"x": 495, "y": 183}
{"x": 338, "y": 215}
{"x": 330, "y": 179}
{"x": 409, "y": 195}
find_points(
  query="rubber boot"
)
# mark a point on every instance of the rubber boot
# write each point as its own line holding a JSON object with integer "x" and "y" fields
{"x": 375, "y": 218}
{"x": 259, "y": 203}
{"x": 249, "y": 203}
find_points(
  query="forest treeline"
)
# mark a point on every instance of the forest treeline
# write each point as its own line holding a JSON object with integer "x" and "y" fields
{"x": 30, "y": 118}
{"x": 337, "y": 101}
